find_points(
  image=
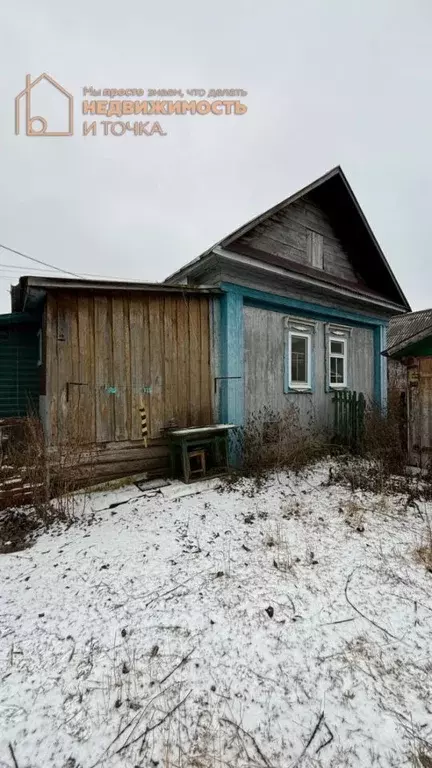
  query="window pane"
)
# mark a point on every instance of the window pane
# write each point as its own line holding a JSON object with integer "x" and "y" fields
{"x": 337, "y": 347}
{"x": 336, "y": 370}
{"x": 299, "y": 361}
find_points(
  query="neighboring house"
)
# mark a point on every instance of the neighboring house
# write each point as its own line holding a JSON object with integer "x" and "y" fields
{"x": 110, "y": 350}
{"x": 19, "y": 365}
{"x": 410, "y": 372}
{"x": 307, "y": 296}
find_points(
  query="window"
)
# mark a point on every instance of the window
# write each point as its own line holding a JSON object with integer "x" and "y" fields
{"x": 299, "y": 360}
{"x": 338, "y": 362}
{"x": 299, "y": 346}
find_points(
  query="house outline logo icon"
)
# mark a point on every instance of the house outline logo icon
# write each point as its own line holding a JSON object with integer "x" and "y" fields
{"x": 30, "y": 121}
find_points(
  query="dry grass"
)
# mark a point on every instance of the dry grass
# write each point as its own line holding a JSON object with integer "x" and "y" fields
{"x": 384, "y": 437}
{"x": 423, "y": 553}
{"x": 422, "y": 759}
{"x": 272, "y": 441}
{"x": 354, "y": 514}
{"x": 48, "y": 482}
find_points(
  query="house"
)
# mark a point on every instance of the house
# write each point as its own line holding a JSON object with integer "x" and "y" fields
{"x": 409, "y": 354}
{"x": 307, "y": 295}
{"x": 112, "y": 354}
{"x": 285, "y": 311}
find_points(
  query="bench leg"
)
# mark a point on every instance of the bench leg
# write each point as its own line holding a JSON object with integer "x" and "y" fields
{"x": 185, "y": 463}
{"x": 172, "y": 461}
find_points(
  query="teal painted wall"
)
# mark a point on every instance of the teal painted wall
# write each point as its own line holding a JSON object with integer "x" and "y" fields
{"x": 19, "y": 370}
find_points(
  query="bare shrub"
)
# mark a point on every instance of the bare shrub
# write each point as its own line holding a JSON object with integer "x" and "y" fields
{"x": 381, "y": 466}
{"x": 384, "y": 433}
{"x": 44, "y": 481}
{"x": 273, "y": 440}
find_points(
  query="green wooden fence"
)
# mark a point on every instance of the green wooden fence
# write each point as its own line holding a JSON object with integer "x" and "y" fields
{"x": 349, "y": 410}
{"x": 19, "y": 371}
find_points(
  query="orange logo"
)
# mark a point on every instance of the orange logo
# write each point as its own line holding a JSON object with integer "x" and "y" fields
{"x": 37, "y": 125}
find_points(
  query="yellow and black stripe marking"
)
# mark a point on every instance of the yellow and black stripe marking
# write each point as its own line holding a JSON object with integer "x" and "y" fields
{"x": 144, "y": 429}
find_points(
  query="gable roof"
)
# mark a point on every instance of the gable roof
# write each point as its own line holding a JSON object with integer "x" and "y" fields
{"x": 406, "y": 330}
{"x": 333, "y": 192}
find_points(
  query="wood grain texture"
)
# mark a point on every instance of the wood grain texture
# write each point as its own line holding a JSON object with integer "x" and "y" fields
{"x": 195, "y": 367}
{"x": 51, "y": 369}
{"x": 86, "y": 370}
{"x": 120, "y": 366}
{"x": 264, "y": 366}
{"x": 288, "y": 233}
{"x": 182, "y": 343}
{"x": 156, "y": 371}
{"x": 103, "y": 369}
{"x": 138, "y": 333}
{"x": 205, "y": 414}
{"x": 104, "y": 351}
{"x": 170, "y": 358}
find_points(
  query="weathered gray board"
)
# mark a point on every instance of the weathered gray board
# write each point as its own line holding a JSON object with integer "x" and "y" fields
{"x": 287, "y": 232}
{"x": 264, "y": 367}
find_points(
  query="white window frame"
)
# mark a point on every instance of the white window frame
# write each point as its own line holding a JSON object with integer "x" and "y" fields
{"x": 344, "y": 356}
{"x": 299, "y": 385}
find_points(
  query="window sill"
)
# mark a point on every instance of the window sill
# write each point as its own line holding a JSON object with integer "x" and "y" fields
{"x": 299, "y": 390}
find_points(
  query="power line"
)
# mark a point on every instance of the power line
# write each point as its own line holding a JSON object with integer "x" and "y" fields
{"x": 20, "y": 267}
{"x": 59, "y": 269}
{"x": 83, "y": 274}
{"x": 38, "y": 261}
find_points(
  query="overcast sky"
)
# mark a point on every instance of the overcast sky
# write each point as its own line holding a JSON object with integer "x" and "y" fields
{"x": 329, "y": 82}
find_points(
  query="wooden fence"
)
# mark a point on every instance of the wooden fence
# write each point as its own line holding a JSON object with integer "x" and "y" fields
{"x": 349, "y": 410}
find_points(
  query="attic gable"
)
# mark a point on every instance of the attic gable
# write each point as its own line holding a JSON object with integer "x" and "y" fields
{"x": 302, "y": 233}
{"x": 321, "y": 230}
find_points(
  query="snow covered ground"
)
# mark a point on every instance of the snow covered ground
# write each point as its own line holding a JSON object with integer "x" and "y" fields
{"x": 291, "y": 627}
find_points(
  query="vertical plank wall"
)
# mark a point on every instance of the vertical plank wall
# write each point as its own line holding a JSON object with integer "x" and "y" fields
{"x": 103, "y": 350}
{"x": 264, "y": 368}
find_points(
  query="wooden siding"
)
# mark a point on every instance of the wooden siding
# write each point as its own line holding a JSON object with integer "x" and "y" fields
{"x": 103, "y": 352}
{"x": 419, "y": 385}
{"x": 290, "y": 233}
{"x": 264, "y": 368}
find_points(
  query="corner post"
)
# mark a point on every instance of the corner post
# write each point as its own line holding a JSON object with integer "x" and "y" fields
{"x": 380, "y": 366}
{"x": 232, "y": 363}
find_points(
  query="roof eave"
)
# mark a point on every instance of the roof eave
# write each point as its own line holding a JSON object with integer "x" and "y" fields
{"x": 299, "y": 278}
{"x": 398, "y": 348}
{"x": 42, "y": 283}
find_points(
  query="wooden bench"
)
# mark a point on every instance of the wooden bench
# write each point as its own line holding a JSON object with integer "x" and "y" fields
{"x": 195, "y": 443}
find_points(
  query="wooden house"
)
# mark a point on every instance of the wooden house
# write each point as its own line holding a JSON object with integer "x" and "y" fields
{"x": 409, "y": 354}
{"x": 307, "y": 294}
{"x": 287, "y": 310}
{"x": 112, "y": 354}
